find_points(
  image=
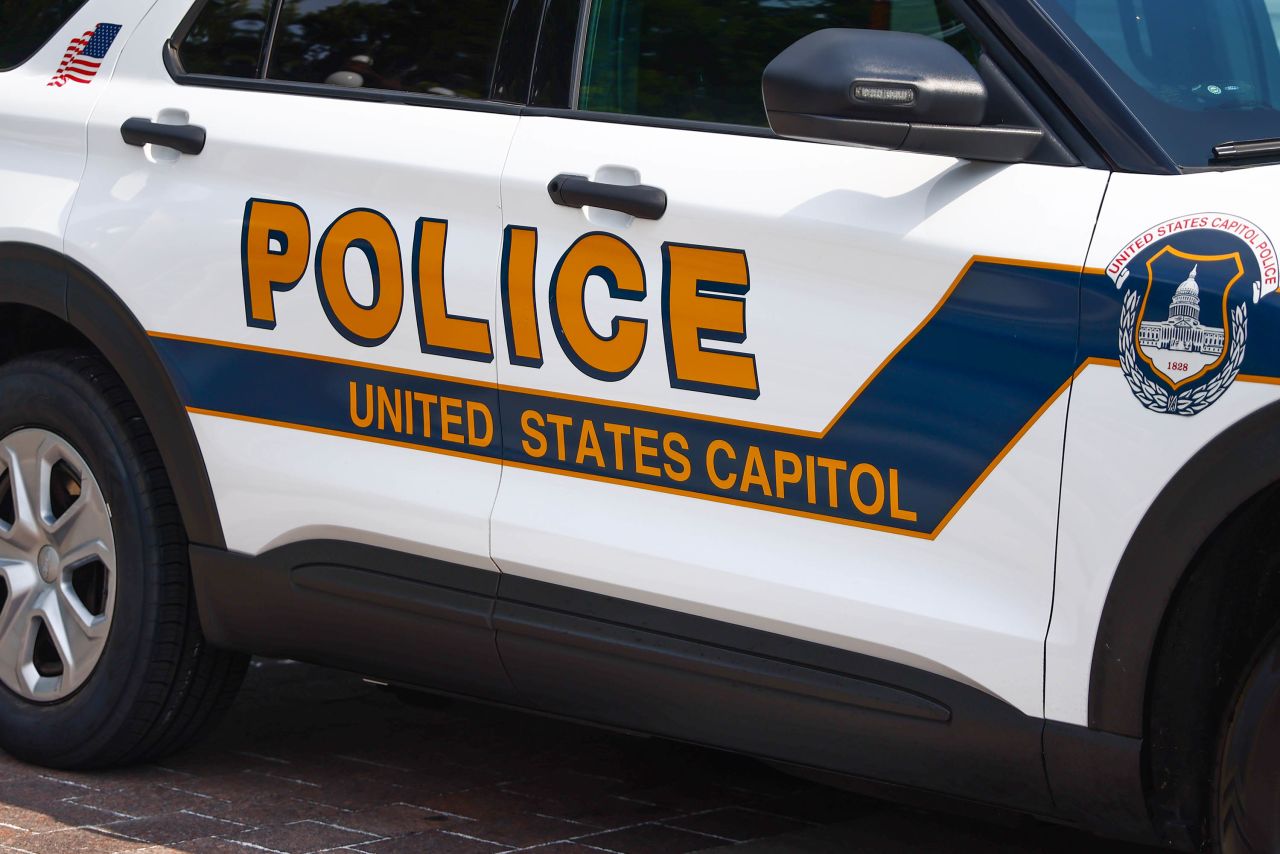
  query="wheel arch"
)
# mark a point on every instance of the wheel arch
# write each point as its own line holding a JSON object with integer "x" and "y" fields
{"x": 1188, "y": 595}
{"x": 1197, "y": 501}
{"x": 42, "y": 280}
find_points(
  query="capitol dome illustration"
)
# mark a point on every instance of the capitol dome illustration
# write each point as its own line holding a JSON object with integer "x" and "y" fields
{"x": 1183, "y": 331}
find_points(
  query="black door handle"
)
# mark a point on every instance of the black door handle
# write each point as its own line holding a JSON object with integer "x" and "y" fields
{"x": 638, "y": 200}
{"x": 189, "y": 139}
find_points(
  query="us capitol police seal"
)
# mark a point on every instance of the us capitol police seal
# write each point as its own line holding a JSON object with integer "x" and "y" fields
{"x": 1184, "y": 320}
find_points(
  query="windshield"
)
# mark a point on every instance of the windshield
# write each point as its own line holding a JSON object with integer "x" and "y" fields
{"x": 1197, "y": 73}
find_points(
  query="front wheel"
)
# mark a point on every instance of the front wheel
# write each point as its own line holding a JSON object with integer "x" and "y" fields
{"x": 1247, "y": 786}
{"x": 102, "y": 661}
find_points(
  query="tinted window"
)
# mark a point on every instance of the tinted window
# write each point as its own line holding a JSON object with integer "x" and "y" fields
{"x": 441, "y": 47}
{"x": 1196, "y": 72}
{"x": 703, "y": 60}
{"x": 226, "y": 38}
{"x": 25, "y": 25}
{"x": 515, "y": 59}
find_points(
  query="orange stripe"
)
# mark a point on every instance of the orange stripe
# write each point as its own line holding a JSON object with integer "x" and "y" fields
{"x": 720, "y": 499}
{"x": 1257, "y": 378}
{"x": 325, "y": 431}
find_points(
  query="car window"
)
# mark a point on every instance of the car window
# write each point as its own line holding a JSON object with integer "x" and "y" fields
{"x": 25, "y": 27}
{"x": 703, "y": 60}
{"x": 1195, "y": 72}
{"x": 226, "y": 38}
{"x": 439, "y": 47}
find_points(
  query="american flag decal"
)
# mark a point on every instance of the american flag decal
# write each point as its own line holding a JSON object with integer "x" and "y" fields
{"x": 84, "y": 55}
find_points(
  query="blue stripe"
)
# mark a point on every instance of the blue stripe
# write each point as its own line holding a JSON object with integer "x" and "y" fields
{"x": 944, "y": 408}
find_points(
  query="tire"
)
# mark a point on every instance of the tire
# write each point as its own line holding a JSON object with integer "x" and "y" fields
{"x": 1246, "y": 802}
{"x": 102, "y": 660}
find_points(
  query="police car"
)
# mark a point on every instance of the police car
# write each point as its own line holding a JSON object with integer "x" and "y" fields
{"x": 886, "y": 388}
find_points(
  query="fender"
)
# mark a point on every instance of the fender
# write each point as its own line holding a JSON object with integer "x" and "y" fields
{"x": 41, "y": 278}
{"x": 1215, "y": 482}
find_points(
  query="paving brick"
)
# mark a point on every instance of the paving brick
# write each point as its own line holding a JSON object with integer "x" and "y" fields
{"x": 357, "y": 791}
{"x": 204, "y": 845}
{"x": 690, "y": 793}
{"x": 247, "y": 785}
{"x": 650, "y": 839}
{"x": 174, "y": 827}
{"x": 738, "y": 824}
{"x": 401, "y": 820}
{"x": 36, "y": 789}
{"x": 72, "y": 841}
{"x": 303, "y": 837}
{"x": 478, "y": 803}
{"x": 264, "y": 811}
{"x": 54, "y": 815}
{"x": 143, "y": 801}
{"x": 525, "y": 829}
{"x": 434, "y": 842}
{"x": 603, "y": 811}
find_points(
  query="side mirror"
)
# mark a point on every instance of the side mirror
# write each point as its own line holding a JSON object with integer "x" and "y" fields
{"x": 887, "y": 90}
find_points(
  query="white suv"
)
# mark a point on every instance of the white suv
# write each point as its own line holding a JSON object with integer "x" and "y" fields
{"x": 887, "y": 388}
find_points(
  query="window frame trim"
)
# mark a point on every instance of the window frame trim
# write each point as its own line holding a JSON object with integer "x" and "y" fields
{"x": 173, "y": 65}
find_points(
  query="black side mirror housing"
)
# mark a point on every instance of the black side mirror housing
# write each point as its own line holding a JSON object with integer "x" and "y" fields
{"x": 887, "y": 90}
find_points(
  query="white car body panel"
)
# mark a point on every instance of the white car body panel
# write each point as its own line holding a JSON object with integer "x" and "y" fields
{"x": 849, "y": 250}
{"x": 42, "y": 128}
{"x": 1119, "y": 455}
{"x": 150, "y": 228}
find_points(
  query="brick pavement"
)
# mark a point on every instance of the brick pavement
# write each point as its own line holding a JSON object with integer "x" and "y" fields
{"x": 312, "y": 760}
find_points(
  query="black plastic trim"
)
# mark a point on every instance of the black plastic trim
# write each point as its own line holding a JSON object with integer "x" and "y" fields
{"x": 321, "y": 90}
{"x": 572, "y": 653}
{"x": 650, "y": 122}
{"x": 188, "y": 139}
{"x": 44, "y": 279}
{"x": 697, "y": 645}
{"x": 987, "y": 143}
{"x": 1196, "y": 501}
{"x": 1097, "y": 782}
{"x": 579, "y": 191}
{"x": 403, "y": 618}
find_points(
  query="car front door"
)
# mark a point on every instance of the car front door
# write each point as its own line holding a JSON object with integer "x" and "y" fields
{"x": 814, "y": 390}
{"x": 311, "y": 240}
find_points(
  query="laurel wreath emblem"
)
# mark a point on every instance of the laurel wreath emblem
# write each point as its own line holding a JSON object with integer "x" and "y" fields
{"x": 1189, "y": 401}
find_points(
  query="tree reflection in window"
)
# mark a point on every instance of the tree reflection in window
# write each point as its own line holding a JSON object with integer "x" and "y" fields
{"x": 426, "y": 46}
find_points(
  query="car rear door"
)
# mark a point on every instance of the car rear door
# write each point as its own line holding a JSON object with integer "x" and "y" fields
{"x": 312, "y": 245}
{"x": 822, "y": 395}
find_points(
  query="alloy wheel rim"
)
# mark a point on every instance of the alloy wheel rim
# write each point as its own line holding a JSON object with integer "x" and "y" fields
{"x": 57, "y": 565}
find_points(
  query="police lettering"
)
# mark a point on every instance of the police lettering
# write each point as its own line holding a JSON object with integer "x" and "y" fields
{"x": 703, "y": 295}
